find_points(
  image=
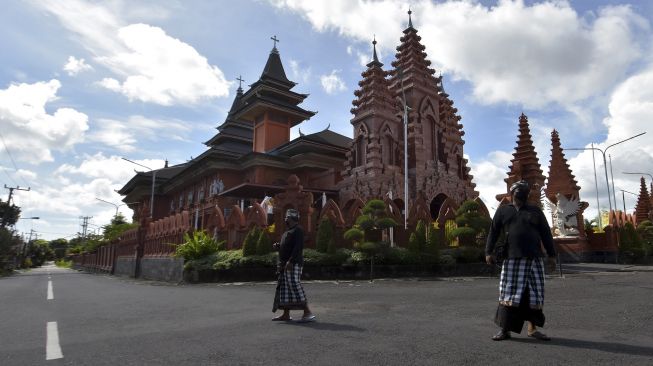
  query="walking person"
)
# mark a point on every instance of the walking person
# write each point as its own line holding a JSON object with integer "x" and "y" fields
{"x": 521, "y": 285}
{"x": 290, "y": 293}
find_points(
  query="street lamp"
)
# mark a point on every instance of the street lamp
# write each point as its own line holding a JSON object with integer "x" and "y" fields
{"x": 605, "y": 165}
{"x": 115, "y": 205}
{"x": 406, "y": 109}
{"x": 623, "y": 196}
{"x": 651, "y": 176}
{"x": 153, "y": 180}
{"x": 29, "y": 218}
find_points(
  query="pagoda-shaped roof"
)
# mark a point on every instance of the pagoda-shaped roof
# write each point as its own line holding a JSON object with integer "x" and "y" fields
{"x": 412, "y": 61}
{"x": 525, "y": 164}
{"x": 234, "y": 136}
{"x": 560, "y": 180}
{"x": 643, "y": 207}
{"x": 272, "y": 91}
{"x": 325, "y": 142}
{"x": 374, "y": 94}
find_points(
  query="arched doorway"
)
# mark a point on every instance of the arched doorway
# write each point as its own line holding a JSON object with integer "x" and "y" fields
{"x": 436, "y": 204}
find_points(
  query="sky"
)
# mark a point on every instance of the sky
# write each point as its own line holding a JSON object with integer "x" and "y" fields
{"x": 84, "y": 84}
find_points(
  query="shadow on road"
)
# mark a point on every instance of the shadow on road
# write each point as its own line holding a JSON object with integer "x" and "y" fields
{"x": 328, "y": 326}
{"x": 599, "y": 346}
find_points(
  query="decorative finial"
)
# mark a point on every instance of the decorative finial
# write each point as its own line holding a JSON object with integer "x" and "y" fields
{"x": 240, "y": 82}
{"x": 410, "y": 20}
{"x": 275, "y": 39}
{"x": 300, "y": 132}
{"x": 376, "y": 59}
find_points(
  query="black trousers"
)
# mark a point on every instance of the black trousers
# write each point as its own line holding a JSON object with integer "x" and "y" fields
{"x": 512, "y": 318}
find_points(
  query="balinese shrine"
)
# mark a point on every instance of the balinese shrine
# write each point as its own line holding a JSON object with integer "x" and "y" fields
{"x": 252, "y": 171}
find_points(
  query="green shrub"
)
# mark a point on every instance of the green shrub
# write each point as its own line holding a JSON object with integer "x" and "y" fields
{"x": 465, "y": 254}
{"x": 263, "y": 243}
{"x": 447, "y": 260}
{"x": 196, "y": 246}
{"x": 433, "y": 242}
{"x": 249, "y": 244}
{"x": 63, "y": 263}
{"x": 325, "y": 237}
{"x": 315, "y": 258}
{"x": 645, "y": 231}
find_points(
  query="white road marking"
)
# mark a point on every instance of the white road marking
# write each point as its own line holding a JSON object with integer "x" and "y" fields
{"x": 52, "y": 347}
{"x": 50, "y": 292}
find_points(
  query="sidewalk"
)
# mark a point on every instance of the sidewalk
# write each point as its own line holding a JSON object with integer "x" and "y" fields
{"x": 603, "y": 267}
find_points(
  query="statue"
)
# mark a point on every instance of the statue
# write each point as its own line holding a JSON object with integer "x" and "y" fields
{"x": 564, "y": 211}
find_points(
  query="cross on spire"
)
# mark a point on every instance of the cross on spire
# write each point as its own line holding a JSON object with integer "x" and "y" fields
{"x": 240, "y": 82}
{"x": 274, "y": 38}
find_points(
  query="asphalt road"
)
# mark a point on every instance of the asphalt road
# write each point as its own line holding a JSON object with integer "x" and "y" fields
{"x": 597, "y": 318}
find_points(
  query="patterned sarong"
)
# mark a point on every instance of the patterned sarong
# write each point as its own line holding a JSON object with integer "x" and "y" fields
{"x": 517, "y": 274}
{"x": 290, "y": 293}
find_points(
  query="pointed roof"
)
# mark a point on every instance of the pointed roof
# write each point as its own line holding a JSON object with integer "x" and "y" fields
{"x": 525, "y": 164}
{"x": 643, "y": 207}
{"x": 374, "y": 94}
{"x": 233, "y": 135}
{"x": 560, "y": 180}
{"x": 411, "y": 59}
{"x": 273, "y": 70}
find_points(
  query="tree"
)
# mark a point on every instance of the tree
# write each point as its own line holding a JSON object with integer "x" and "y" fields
{"x": 9, "y": 214}
{"x": 263, "y": 243}
{"x": 196, "y": 246}
{"x": 249, "y": 244}
{"x": 59, "y": 247}
{"x": 39, "y": 252}
{"x": 471, "y": 224}
{"x": 367, "y": 231}
{"x": 10, "y": 245}
{"x": 417, "y": 239}
{"x": 325, "y": 242}
{"x": 645, "y": 231}
{"x": 117, "y": 226}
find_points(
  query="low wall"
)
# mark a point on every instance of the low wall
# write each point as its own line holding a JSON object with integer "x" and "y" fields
{"x": 167, "y": 269}
{"x": 125, "y": 266}
{"x": 362, "y": 272}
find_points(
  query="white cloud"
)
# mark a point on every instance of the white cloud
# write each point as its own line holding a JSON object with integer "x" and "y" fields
{"x": 23, "y": 113}
{"x": 114, "y": 168}
{"x": 489, "y": 175}
{"x": 149, "y": 65}
{"x": 74, "y": 66}
{"x": 124, "y": 135}
{"x": 332, "y": 83}
{"x": 534, "y": 55}
{"x": 299, "y": 73}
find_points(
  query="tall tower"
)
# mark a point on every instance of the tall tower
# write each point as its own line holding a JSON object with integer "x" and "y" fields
{"x": 436, "y": 166}
{"x": 643, "y": 207}
{"x": 525, "y": 165}
{"x": 271, "y": 106}
{"x": 374, "y": 163}
{"x": 562, "y": 181}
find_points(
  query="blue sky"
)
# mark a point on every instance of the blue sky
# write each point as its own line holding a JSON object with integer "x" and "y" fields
{"x": 84, "y": 83}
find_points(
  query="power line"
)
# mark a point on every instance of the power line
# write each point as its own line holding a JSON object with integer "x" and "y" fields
{"x": 12, "y": 158}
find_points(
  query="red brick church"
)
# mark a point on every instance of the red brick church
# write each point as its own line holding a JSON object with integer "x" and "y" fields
{"x": 252, "y": 171}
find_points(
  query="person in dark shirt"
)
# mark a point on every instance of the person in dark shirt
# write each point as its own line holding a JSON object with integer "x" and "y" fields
{"x": 521, "y": 286}
{"x": 290, "y": 294}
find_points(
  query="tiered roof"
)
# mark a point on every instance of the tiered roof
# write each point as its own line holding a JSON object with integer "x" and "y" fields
{"x": 561, "y": 180}
{"x": 374, "y": 95}
{"x": 643, "y": 208}
{"x": 525, "y": 164}
{"x": 234, "y": 136}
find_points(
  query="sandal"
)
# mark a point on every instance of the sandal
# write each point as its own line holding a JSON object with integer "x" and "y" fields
{"x": 539, "y": 335}
{"x": 502, "y": 335}
{"x": 307, "y": 319}
{"x": 281, "y": 319}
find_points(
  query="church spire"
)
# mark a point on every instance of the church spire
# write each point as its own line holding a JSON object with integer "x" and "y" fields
{"x": 375, "y": 59}
{"x": 410, "y": 20}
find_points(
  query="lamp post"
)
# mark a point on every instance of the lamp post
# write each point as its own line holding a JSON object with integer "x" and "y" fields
{"x": 623, "y": 197}
{"x": 153, "y": 180}
{"x": 115, "y": 205}
{"x": 650, "y": 176}
{"x": 605, "y": 165}
{"x": 406, "y": 108}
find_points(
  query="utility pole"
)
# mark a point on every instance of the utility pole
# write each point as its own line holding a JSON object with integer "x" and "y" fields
{"x": 85, "y": 226}
{"x": 11, "y": 192}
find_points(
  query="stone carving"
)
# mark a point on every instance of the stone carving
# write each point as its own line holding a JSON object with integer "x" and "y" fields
{"x": 564, "y": 211}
